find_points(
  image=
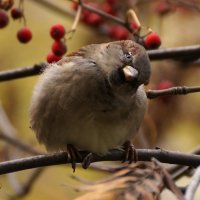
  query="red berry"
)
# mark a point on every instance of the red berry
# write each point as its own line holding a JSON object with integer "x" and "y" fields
{"x": 85, "y": 15}
{"x": 111, "y": 1}
{"x": 57, "y": 31}
{"x": 59, "y": 48}
{"x": 118, "y": 32}
{"x": 163, "y": 8}
{"x": 74, "y": 6}
{"x": 6, "y": 4}
{"x": 4, "y": 20}
{"x": 165, "y": 84}
{"x": 152, "y": 41}
{"x": 93, "y": 19}
{"x": 24, "y": 35}
{"x": 134, "y": 26}
{"x": 16, "y": 13}
{"x": 108, "y": 8}
{"x": 51, "y": 57}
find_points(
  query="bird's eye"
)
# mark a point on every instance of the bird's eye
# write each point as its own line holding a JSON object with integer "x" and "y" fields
{"x": 128, "y": 57}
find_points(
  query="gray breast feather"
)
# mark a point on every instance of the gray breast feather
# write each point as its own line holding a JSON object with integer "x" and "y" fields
{"x": 83, "y": 111}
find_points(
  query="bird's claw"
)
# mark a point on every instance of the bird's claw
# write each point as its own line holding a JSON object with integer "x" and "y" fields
{"x": 89, "y": 158}
{"x": 74, "y": 154}
{"x": 130, "y": 153}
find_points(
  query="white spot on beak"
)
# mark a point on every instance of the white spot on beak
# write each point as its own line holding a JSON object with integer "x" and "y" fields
{"x": 130, "y": 73}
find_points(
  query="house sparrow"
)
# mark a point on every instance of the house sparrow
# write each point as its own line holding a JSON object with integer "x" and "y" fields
{"x": 92, "y": 99}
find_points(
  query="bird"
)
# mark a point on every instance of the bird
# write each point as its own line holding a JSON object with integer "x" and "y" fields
{"x": 93, "y": 100}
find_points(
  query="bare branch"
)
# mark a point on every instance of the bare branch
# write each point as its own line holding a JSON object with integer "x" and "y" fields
{"x": 188, "y": 53}
{"x": 27, "y": 186}
{"x": 178, "y": 171}
{"x": 168, "y": 180}
{"x": 8, "y": 132}
{"x": 75, "y": 23}
{"x": 22, "y": 72}
{"x": 183, "y": 170}
{"x": 191, "y": 190}
{"x": 172, "y": 91}
{"x": 107, "y": 16}
{"x": 188, "y": 4}
{"x": 18, "y": 144}
{"x": 169, "y": 53}
{"x": 115, "y": 155}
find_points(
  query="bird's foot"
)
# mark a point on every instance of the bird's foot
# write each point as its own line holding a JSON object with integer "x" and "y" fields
{"x": 74, "y": 154}
{"x": 89, "y": 158}
{"x": 130, "y": 152}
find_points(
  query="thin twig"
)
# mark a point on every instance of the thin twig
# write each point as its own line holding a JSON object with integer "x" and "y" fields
{"x": 183, "y": 170}
{"x": 8, "y": 134}
{"x": 168, "y": 181}
{"x": 172, "y": 91}
{"x": 27, "y": 186}
{"x": 188, "y": 4}
{"x": 75, "y": 23}
{"x": 106, "y": 15}
{"x": 178, "y": 171}
{"x": 115, "y": 155}
{"x": 191, "y": 190}
{"x": 19, "y": 144}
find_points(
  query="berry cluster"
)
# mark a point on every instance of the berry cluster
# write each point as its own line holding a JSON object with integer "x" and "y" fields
{"x": 57, "y": 31}
{"x": 24, "y": 35}
{"x": 58, "y": 47}
{"x": 115, "y": 32}
{"x": 92, "y": 19}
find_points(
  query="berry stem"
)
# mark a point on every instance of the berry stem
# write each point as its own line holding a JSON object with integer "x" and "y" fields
{"x": 75, "y": 23}
{"x": 21, "y": 7}
{"x": 131, "y": 16}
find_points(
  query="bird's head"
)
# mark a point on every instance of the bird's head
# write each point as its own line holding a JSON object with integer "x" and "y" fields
{"x": 123, "y": 62}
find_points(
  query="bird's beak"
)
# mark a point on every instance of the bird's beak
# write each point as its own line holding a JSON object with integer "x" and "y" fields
{"x": 130, "y": 73}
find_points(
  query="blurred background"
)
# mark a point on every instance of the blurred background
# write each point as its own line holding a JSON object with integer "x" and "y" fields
{"x": 172, "y": 122}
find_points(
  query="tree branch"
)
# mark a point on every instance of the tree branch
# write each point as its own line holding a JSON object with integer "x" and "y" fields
{"x": 172, "y": 91}
{"x": 106, "y": 15}
{"x": 178, "y": 171}
{"x": 115, "y": 155}
{"x": 169, "y": 53}
{"x": 187, "y": 53}
{"x": 22, "y": 72}
{"x": 191, "y": 190}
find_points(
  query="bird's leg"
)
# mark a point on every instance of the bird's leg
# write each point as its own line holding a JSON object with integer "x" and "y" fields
{"x": 74, "y": 154}
{"x": 130, "y": 152}
{"x": 88, "y": 160}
